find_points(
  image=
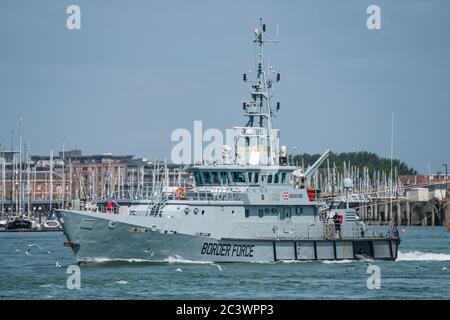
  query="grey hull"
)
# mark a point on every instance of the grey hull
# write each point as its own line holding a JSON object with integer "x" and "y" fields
{"x": 102, "y": 237}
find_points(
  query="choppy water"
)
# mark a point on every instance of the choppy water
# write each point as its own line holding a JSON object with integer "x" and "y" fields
{"x": 419, "y": 273}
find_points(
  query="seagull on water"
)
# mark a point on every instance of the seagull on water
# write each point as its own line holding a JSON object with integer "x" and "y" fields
{"x": 178, "y": 270}
{"x": 219, "y": 267}
{"x": 35, "y": 245}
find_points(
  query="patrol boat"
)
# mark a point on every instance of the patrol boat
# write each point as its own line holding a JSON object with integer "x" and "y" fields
{"x": 247, "y": 207}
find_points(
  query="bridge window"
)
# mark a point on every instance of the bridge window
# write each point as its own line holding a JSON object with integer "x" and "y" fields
{"x": 251, "y": 176}
{"x": 283, "y": 177}
{"x": 255, "y": 177}
{"x": 198, "y": 179}
{"x": 247, "y": 213}
{"x": 224, "y": 178}
{"x": 269, "y": 178}
{"x": 206, "y": 178}
{"x": 215, "y": 178}
{"x": 239, "y": 177}
{"x": 277, "y": 178}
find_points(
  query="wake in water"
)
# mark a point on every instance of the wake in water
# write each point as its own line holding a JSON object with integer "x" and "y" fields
{"x": 338, "y": 261}
{"x": 178, "y": 259}
{"x": 422, "y": 256}
{"x": 170, "y": 260}
{"x": 402, "y": 256}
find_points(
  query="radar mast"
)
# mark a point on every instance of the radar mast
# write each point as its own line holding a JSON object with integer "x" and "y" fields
{"x": 258, "y": 109}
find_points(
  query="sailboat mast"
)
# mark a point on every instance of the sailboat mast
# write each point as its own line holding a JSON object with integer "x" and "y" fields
{"x": 11, "y": 182}
{"x": 51, "y": 179}
{"x": 392, "y": 163}
{"x": 20, "y": 166}
{"x": 63, "y": 173}
{"x": 3, "y": 182}
{"x": 28, "y": 179}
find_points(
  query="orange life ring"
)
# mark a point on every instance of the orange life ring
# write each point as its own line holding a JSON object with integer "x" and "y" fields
{"x": 180, "y": 194}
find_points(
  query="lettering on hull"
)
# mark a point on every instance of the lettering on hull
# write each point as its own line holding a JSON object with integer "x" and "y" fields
{"x": 227, "y": 249}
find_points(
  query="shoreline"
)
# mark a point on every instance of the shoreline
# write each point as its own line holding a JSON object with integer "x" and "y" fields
{"x": 28, "y": 230}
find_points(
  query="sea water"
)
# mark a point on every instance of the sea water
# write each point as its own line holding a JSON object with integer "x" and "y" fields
{"x": 34, "y": 265}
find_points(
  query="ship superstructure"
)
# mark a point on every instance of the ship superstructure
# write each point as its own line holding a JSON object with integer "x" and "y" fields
{"x": 245, "y": 207}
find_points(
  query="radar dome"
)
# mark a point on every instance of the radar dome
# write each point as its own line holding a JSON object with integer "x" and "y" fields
{"x": 348, "y": 183}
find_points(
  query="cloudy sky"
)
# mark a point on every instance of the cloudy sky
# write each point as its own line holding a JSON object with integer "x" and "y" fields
{"x": 137, "y": 70}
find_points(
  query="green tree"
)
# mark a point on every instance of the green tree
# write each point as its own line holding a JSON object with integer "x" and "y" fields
{"x": 358, "y": 159}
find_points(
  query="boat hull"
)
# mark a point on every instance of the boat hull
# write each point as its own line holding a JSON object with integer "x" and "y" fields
{"x": 102, "y": 237}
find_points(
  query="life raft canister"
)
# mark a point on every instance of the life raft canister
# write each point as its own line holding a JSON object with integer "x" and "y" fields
{"x": 180, "y": 194}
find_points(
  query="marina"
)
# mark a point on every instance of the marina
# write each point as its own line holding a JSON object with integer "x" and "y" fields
{"x": 416, "y": 200}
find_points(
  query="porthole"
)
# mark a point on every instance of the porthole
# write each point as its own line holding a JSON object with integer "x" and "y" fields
{"x": 274, "y": 210}
{"x": 203, "y": 212}
{"x": 186, "y": 211}
{"x": 196, "y": 210}
{"x": 267, "y": 210}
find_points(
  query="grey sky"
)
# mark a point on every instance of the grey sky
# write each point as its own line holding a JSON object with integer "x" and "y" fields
{"x": 139, "y": 69}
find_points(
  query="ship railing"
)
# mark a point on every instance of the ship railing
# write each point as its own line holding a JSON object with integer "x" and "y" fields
{"x": 328, "y": 231}
{"x": 359, "y": 231}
